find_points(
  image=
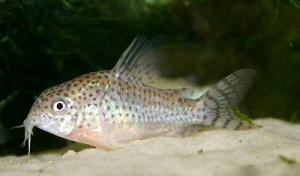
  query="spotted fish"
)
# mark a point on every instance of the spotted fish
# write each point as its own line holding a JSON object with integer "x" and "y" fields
{"x": 110, "y": 109}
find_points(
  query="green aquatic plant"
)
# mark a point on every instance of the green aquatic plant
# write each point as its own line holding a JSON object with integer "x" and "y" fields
{"x": 241, "y": 115}
{"x": 287, "y": 160}
{"x": 296, "y": 4}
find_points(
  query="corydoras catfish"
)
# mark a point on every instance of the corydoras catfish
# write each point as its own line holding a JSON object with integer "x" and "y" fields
{"x": 110, "y": 109}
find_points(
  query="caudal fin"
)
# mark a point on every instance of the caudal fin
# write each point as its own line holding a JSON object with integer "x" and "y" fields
{"x": 223, "y": 99}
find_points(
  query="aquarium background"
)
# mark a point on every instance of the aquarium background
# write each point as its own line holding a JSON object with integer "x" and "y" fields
{"x": 44, "y": 43}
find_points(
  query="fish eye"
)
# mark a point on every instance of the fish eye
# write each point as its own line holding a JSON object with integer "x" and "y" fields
{"x": 58, "y": 105}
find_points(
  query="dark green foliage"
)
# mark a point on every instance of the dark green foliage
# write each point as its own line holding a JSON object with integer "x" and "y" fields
{"x": 44, "y": 43}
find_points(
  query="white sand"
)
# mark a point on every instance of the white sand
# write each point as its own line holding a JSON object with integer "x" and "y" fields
{"x": 209, "y": 153}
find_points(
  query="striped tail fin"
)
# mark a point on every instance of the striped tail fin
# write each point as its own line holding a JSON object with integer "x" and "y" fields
{"x": 222, "y": 100}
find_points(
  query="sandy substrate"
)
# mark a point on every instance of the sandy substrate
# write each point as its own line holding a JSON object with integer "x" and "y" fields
{"x": 209, "y": 153}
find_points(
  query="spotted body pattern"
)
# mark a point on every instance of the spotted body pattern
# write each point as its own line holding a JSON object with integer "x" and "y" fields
{"x": 109, "y": 109}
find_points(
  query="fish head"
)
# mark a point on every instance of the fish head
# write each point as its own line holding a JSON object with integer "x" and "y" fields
{"x": 54, "y": 111}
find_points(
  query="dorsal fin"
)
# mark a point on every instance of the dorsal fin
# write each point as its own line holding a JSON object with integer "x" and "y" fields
{"x": 138, "y": 62}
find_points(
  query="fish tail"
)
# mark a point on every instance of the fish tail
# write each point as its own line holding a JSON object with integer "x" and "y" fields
{"x": 221, "y": 101}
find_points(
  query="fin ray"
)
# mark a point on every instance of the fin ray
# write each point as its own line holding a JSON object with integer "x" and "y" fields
{"x": 224, "y": 97}
{"x": 138, "y": 62}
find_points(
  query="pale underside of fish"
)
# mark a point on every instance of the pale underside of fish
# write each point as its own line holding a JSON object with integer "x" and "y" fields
{"x": 109, "y": 109}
